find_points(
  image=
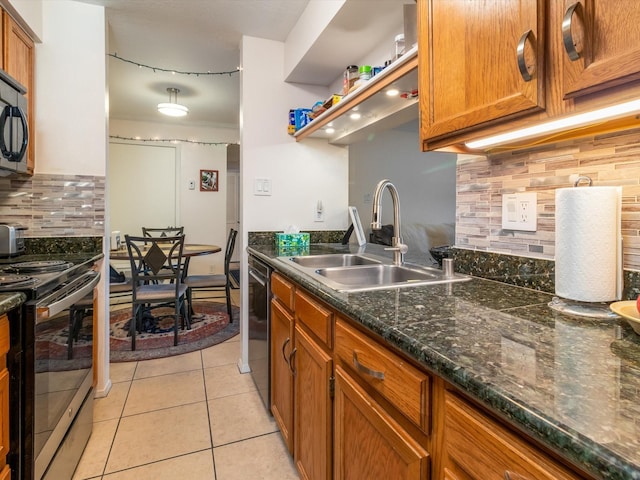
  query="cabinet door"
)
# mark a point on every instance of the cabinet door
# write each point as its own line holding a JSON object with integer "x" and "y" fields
{"x": 18, "y": 53}
{"x": 312, "y": 440}
{"x": 368, "y": 442}
{"x": 601, "y": 42}
{"x": 281, "y": 375}
{"x": 477, "y": 448}
{"x": 470, "y": 69}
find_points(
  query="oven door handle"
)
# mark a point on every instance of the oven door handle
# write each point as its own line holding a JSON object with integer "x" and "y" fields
{"x": 257, "y": 275}
{"x": 66, "y": 297}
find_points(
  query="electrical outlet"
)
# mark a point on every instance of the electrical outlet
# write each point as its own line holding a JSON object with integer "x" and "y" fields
{"x": 520, "y": 211}
{"x": 318, "y": 215}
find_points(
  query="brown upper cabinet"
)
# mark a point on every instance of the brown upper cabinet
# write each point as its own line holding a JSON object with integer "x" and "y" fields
{"x": 489, "y": 67}
{"x": 484, "y": 62}
{"x": 601, "y": 40}
{"x": 18, "y": 61}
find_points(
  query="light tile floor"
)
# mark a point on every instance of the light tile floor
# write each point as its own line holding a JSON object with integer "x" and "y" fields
{"x": 192, "y": 416}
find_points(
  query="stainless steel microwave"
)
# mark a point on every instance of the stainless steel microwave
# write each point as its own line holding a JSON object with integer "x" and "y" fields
{"x": 14, "y": 130}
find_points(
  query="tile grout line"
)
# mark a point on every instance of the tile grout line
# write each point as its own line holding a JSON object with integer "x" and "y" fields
{"x": 104, "y": 467}
{"x": 206, "y": 399}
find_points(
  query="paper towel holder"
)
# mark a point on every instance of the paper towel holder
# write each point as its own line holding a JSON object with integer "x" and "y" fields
{"x": 582, "y": 309}
{"x": 583, "y": 177}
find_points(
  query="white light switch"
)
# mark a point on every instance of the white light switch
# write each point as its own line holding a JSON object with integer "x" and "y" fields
{"x": 262, "y": 186}
{"x": 520, "y": 211}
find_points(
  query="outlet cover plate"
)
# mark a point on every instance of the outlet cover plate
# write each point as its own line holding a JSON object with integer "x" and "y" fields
{"x": 520, "y": 211}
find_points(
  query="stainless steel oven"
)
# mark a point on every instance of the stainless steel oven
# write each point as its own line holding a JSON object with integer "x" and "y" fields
{"x": 51, "y": 365}
{"x": 259, "y": 327}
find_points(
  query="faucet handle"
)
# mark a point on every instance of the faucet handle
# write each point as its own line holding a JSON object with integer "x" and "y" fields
{"x": 401, "y": 247}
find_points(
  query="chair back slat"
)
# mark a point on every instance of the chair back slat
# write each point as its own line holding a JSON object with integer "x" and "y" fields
{"x": 163, "y": 232}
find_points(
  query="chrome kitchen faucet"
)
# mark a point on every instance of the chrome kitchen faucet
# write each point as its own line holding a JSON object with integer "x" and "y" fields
{"x": 399, "y": 248}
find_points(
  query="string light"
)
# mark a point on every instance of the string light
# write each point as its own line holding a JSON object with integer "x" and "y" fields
{"x": 170, "y": 140}
{"x": 171, "y": 70}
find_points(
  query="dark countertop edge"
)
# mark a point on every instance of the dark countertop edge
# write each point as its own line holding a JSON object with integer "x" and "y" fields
{"x": 10, "y": 301}
{"x": 567, "y": 443}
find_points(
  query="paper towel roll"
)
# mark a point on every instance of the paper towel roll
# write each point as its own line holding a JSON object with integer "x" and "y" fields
{"x": 588, "y": 243}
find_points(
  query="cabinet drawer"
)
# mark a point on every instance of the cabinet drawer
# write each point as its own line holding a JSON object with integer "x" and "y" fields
{"x": 314, "y": 316}
{"x": 283, "y": 290}
{"x": 397, "y": 381}
{"x": 479, "y": 448}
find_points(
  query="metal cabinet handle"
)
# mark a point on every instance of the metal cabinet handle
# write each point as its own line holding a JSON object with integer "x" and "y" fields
{"x": 291, "y": 357}
{"x": 522, "y": 64}
{"x": 366, "y": 370}
{"x": 284, "y": 345}
{"x": 567, "y": 38}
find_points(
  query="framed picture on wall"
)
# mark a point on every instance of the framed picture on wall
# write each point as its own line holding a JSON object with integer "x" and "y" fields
{"x": 208, "y": 180}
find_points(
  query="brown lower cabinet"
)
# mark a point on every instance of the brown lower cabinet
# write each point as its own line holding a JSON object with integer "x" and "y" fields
{"x": 477, "y": 448}
{"x": 354, "y": 408}
{"x": 368, "y": 442}
{"x": 281, "y": 375}
{"x": 312, "y": 412}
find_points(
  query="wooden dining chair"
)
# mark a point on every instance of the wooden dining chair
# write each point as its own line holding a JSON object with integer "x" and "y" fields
{"x": 217, "y": 283}
{"x": 156, "y": 276}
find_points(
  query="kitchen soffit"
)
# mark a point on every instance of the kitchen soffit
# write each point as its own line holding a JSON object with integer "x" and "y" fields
{"x": 357, "y": 27}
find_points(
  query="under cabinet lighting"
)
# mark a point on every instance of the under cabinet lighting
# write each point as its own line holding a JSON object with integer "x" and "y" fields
{"x": 392, "y": 92}
{"x": 355, "y": 116}
{"x": 560, "y": 125}
{"x": 330, "y": 130}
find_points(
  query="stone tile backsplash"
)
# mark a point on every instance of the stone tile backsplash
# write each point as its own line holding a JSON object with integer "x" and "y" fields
{"x": 54, "y": 205}
{"x": 610, "y": 160}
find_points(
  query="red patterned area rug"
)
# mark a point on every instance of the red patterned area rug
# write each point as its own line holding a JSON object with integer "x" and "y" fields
{"x": 209, "y": 326}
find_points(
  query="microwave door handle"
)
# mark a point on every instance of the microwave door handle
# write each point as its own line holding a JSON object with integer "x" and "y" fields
{"x": 25, "y": 136}
{"x": 13, "y": 155}
{"x": 6, "y": 113}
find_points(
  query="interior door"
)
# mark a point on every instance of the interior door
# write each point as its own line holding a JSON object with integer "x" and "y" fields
{"x": 141, "y": 187}
{"x": 233, "y": 207}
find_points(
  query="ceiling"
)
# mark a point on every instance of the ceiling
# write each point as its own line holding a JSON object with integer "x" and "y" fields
{"x": 193, "y": 36}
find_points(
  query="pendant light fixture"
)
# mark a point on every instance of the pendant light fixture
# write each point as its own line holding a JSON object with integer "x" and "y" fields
{"x": 173, "y": 108}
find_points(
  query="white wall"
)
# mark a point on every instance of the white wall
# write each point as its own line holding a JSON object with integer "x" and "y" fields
{"x": 301, "y": 173}
{"x": 203, "y": 214}
{"x": 71, "y": 117}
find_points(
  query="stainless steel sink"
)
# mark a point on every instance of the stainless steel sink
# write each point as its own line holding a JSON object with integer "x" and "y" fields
{"x": 333, "y": 260}
{"x": 372, "y": 277}
{"x": 358, "y": 272}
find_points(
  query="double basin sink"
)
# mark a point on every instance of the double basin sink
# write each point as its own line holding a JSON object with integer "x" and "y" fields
{"x": 348, "y": 272}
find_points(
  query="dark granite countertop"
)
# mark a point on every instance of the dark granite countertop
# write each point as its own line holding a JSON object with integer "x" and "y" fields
{"x": 573, "y": 383}
{"x": 9, "y": 301}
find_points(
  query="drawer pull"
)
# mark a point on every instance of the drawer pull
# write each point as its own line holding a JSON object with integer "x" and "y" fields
{"x": 284, "y": 355}
{"x": 366, "y": 370}
{"x": 513, "y": 476}
{"x": 567, "y": 37}
{"x": 522, "y": 64}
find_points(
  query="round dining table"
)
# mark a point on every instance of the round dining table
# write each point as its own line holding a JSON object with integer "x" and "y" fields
{"x": 189, "y": 250}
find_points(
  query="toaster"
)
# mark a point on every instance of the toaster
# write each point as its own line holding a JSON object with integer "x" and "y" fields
{"x": 11, "y": 240}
